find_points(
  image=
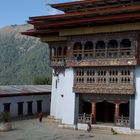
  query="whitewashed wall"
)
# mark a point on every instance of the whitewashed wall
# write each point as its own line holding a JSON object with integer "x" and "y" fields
{"x": 14, "y": 106}
{"x": 53, "y": 96}
{"x": 63, "y": 98}
{"x": 137, "y": 99}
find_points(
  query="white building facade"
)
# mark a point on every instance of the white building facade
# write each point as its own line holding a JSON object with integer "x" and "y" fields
{"x": 25, "y": 100}
{"x": 94, "y": 53}
{"x": 61, "y": 95}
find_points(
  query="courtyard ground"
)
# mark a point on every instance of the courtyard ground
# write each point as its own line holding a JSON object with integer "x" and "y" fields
{"x": 32, "y": 129}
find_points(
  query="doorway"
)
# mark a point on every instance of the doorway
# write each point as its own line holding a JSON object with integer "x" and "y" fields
{"x": 105, "y": 112}
{"x": 39, "y": 106}
{"x": 20, "y": 108}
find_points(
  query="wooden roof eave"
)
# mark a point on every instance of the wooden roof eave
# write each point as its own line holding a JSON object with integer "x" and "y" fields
{"x": 39, "y": 33}
{"x": 88, "y": 13}
{"x": 61, "y": 5}
{"x": 69, "y": 5}
{"x": 91, "y": 20}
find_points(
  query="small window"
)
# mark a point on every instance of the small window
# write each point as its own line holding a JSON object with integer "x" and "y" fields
{"x": 100, "y": 45}
{"x": 7, "y": 107}
{"x": 100, "y": 49}
{"x": 112, "y": 44}
{"x": 59, "y": 51}
{"x": 125, "y": 43}
{"x": 88, "y": 46}
{"x": 65, "y": 51}
{"x": 77, "y": 50}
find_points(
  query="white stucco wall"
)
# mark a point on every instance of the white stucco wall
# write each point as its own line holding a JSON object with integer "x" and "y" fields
{"x": 137, "y": 99}
{"x": 63, "y": 98}
{"x": 14, "y": 106}
{"x": 53, "y": 96}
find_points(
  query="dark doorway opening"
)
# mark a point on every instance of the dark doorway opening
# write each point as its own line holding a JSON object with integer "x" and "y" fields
{"x": 105, "y": 112}
{"x": 124, "y": 109}
{"x": 20, "y": 108}
{"x": 29, "y": 108}
{"x": 39, "y": 106}
{"x": 86, "y": 107}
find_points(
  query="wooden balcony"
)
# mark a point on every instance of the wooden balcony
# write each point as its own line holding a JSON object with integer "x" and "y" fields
{"x": 100, "y": 57}
{"x": 57, "y": 62}
{"x": 123, "y": 89}
{"x": 102, "y": 62}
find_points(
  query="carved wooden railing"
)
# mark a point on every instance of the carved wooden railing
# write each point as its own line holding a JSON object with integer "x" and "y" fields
{"x": 57, "y": 62}
{"x": 103, "y": 53}
{"x": 85, "y": 118}
{"x": 122, "y": 121}
{"x": 103, "y": 57}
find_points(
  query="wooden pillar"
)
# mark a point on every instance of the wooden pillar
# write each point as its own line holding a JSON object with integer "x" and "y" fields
{"x": 83, "y": 50}
{"x": 117, "y": 109}
{"x": 93, "y": 112}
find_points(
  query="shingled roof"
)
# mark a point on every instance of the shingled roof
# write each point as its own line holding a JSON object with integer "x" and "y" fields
{"x": 24, "y": 90}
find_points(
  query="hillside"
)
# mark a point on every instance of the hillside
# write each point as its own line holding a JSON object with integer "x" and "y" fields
{"x": 21, "y": 57}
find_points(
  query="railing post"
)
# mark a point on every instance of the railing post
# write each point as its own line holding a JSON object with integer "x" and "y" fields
{"x": 122, "y": 121}
{"x": 115, "y": 120}
{"x": 84, "y": 118}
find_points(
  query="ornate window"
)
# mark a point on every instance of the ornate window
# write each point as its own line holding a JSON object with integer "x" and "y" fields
{"x": 59, "y": 51}
{"x": 100, "y": 49}
{"x": 77, "y": 51}
{"x": 88, "y": 49}
{"x": 65, "y": 51}
{"x": 125, "y": 48}
{"x": 112, "y": 48}
{"x": 54, "y": 52}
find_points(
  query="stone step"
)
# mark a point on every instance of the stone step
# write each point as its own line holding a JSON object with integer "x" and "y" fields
{"x": 52, "y": 119}
{"x": 101, "y": 129}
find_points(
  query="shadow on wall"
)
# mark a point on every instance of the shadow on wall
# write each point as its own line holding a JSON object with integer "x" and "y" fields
{"x": 137, "y": 72}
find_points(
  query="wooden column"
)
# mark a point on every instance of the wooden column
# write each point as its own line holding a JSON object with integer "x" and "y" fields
{"x": 117, "y": 109}
{"x": 93, "y": 112}
{"x": 82, "y": 55}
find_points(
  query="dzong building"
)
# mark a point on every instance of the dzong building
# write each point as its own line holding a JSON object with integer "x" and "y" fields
{"x": 95, "y": 56}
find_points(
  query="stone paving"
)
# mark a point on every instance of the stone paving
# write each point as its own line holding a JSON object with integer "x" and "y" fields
{"x": 32, "y": 129}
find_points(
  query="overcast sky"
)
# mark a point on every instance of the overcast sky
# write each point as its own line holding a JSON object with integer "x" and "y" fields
{"x": 18, "y": 11}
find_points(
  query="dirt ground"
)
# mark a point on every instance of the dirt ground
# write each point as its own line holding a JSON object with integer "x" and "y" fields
{"x": 32, "y": 129}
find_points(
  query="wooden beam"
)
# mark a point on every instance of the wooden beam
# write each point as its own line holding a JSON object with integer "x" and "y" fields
{"x": 52, "y": 38}
{"x": 87, "y": 21}
{"x": 100, "y": 29}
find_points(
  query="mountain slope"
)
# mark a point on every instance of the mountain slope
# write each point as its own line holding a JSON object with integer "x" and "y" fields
{"x": 21, "y": 57}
